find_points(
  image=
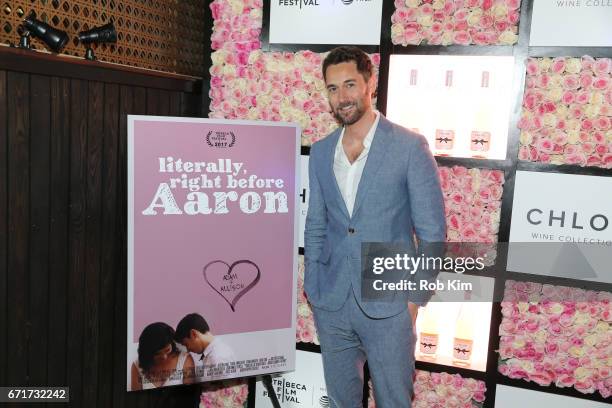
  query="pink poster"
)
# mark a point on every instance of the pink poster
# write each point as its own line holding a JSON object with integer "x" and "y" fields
{"x": 212, "y": 260}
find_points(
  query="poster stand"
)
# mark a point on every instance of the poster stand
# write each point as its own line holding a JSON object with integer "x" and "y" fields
{"x": 267, "y": 381}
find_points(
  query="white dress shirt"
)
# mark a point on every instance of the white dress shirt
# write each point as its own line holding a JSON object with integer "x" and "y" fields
{"x": 348, "y": 175}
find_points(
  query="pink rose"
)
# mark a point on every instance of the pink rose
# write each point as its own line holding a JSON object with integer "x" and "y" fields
{"x": 543, "y": 80}
{"x": 587, "y": 62}
{"x": 461, "y": 38}
{"x": 426, "y": 9}
{"x": 601, "y": 149}
{"x": 602, "y": 123}
{"x": 513, "y": 17}
{"x": 558, "y": 65}
{"x": 601, "y": 82}
{"x": 568, "y": 97}
{"x": 571, "y": 82}
{"x": 583, "y": 97}
{"x": 586, "y": 79}
{"x": 602, "y": 66}
{"x": 501, "y": 26}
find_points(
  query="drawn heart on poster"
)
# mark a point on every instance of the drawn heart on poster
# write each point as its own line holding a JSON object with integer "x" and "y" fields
{"x": 233, "y": 281}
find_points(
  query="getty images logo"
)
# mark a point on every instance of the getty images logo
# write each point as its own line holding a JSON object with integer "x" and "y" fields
{"x": 347, "y": 2}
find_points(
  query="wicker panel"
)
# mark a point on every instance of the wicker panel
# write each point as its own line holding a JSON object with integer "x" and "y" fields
{"x": 165, "y": 35}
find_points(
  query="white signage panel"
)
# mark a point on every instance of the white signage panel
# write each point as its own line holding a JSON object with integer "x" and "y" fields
{"x": 325, "y": 22}
{"x": 562, "y": 226}
{"x": 571, "y": 23}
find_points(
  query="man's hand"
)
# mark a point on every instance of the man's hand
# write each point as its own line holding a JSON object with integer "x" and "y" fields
{"x": 414, "y": 311}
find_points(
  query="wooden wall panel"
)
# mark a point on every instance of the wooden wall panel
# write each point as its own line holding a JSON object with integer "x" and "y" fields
{"x": 108, "y": 235}
{"x": 40, "y": 126}
{"x": 58, "y": 230}
{"x": 76, "y": 238}
{"x": 63, "y": 229}
{"x": 3, "y": 227}
{"x": 18, "y": 126}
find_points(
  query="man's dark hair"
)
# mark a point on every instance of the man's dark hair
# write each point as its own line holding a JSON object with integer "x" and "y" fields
{"x": 189, "y": 322}
{"x": 347, "y": 54}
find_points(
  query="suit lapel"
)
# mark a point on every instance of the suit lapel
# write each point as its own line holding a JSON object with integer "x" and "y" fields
{"x": 376, "y": 156}
{"x": 330, "y": 168}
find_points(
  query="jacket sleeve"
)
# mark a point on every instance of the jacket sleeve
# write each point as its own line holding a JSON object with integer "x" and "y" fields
{"x": 316, "y": 219}
{"x": 426, "y": 208}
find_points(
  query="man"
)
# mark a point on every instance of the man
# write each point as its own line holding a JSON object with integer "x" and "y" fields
{"x": 194, "y": 333}
{"x": 370, "y": 181}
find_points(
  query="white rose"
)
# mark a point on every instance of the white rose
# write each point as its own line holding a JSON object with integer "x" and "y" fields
{"x": 397, "y": 29}
{"x": 218, "y": 57}
{"x": 555, "y": 93}
{"x": 229, "y": 70}
{"x": 499, "y": 10}
{"x": 254, "y": 56}
{"x": 425, "y": 20}
{"x": 474, "y": 17}
{"x": 545, "y": 63}
{"x": 591, "y": 111}
{"x": 573, "y": 65}
{"x": 549, "y": 120}
{"x": 526, "y": 138}
{"x": 438, "y": 4}
{"x": 596, "y": 98}
{"x": 508, "y": 38}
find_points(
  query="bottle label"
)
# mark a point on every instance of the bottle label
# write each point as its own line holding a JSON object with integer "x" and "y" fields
{"x": 462, "y": 349}
{"x": 428, "y": 343}
{"x": 445, "y": 139}
{"x": 480, "y": 141}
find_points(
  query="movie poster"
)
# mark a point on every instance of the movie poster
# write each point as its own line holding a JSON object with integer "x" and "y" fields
{"x": 212, "y": 265}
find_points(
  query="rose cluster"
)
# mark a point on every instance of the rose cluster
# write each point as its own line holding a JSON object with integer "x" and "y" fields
{"x": 463, "y": 22}
{"x": 306, "y": 331}
{"x": 567, "y": 112}
{"x": 231, "y": 393}
{"x": 472, "y": 200}
{"x": 443, "y": 390}
{"x": 557, "y": 335}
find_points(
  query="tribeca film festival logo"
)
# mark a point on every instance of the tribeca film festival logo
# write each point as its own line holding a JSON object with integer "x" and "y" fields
{"x": 220, "y": 139}
{"x": 304, "y": 3}
{"x": 296, "y": 393}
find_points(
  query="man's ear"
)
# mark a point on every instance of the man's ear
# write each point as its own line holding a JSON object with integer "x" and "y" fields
{"x": 372, "y": 85}
{"x": 193, "y": 334}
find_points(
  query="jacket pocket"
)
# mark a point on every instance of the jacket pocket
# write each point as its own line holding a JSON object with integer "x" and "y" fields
{"x": 325, "y": 254}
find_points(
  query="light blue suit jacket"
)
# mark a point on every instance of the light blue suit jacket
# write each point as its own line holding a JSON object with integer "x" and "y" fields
{"x": 399, "y": 194}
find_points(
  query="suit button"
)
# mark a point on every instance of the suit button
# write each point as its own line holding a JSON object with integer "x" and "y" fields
{"x": 351, "y": 230}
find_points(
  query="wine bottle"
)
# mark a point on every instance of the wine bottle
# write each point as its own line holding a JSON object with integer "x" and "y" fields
{"x": 464, "y": 336}
{"x": 429, "y": 333}
{"x": 446, "y": 123}
{"x": 480, "y": 136}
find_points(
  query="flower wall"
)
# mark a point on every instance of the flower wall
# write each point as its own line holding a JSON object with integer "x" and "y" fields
{"x": 567, "y": 112}
{"x": 549, "y": 335}
{"x": 306, "y": 331}
{"x": 472, "y": 200}
{"x": 557, "y": 335}
{"x": 461, "y": 22}
{"x": 442, "y": 390}
{"x": 231, "y": 393}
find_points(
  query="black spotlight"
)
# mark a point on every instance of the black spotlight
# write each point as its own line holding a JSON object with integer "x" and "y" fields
{"x": 54, "y": 38}
{"x": 97, "y": 35}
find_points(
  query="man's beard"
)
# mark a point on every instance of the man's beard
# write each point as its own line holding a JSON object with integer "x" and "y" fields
{"x": 358, "y": 112}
